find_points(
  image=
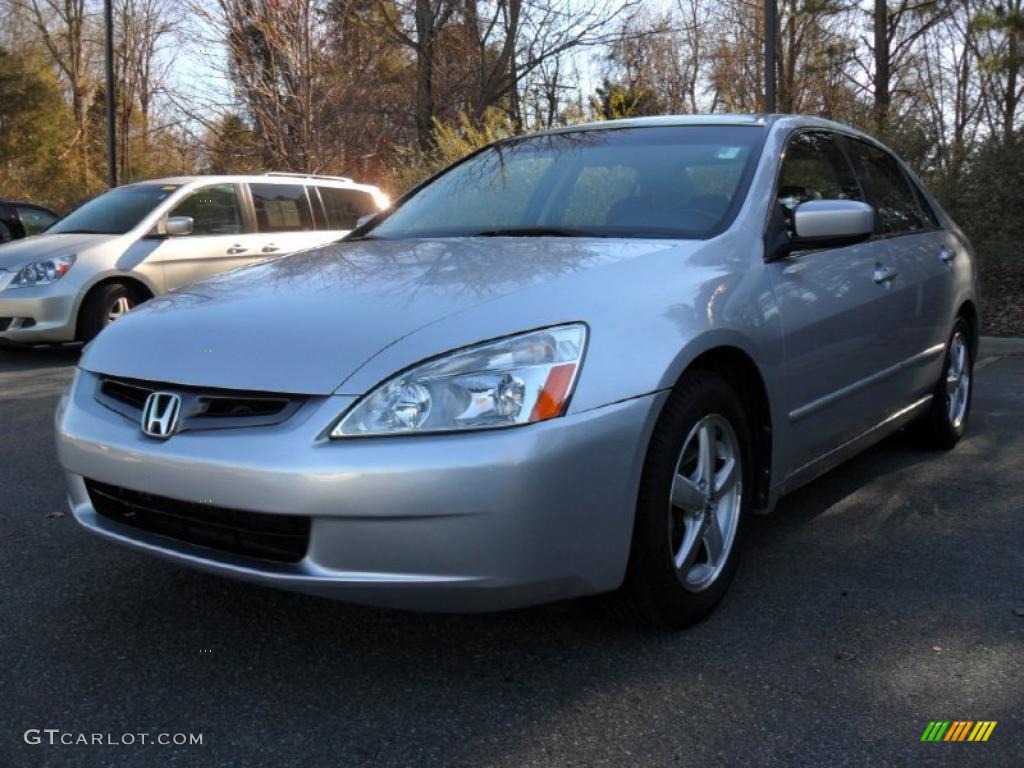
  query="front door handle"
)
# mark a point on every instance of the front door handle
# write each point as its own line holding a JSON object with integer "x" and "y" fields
{"x": 884, "y": 274}
{"x": 236, "y": 248}
{"x": 270, "y": 248}
{"x": 946, "y": 255}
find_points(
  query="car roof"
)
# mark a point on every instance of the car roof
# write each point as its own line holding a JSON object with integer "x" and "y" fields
{"x": 666, "y": 121}
{"x": 270, "y": 178}
{"x": 753, "y": 120}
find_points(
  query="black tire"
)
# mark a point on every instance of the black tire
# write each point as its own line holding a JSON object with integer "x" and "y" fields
{"x": 653, "y": 592}
{"x": 936, "y": 429}
{"x": 95, "y": 313}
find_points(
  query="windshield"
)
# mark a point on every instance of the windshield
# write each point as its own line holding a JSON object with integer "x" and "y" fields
{"x": 113, "y": 212}
{"x": 680, "y": 182}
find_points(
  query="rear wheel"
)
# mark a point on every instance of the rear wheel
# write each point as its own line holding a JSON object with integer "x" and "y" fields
{"x": 944, "y": 423}
{"x": 691, "y": 506}
{"x": 103, "y": 306}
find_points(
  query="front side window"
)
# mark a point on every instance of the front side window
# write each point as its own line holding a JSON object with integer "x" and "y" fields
{"x": 114, "y": 212}
{"x": 664, "y": 181}
{"x": 214, "y": 210}
{"x": 814, "y": 168}
{"x": 281, "y": 207}
{"x": 345, "y": 207}
{"x": 888, "y": 190}
{"x": 34, "y": 220}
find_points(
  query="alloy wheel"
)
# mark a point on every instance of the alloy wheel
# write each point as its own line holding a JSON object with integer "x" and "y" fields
{"x": 121, "y": 306}
{"x": 706, "y": 500}
{"x": 958, "y": 380}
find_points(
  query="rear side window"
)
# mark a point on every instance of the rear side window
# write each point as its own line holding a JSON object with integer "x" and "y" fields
{"x": 345, "y": 206}
{"x": 814, "y": 168}
{"x": 281, "y": 207}
{"x": 214, "y": 210}
{"x": 34, "y": 220}
{"x": 888, "y": 190}
{"x": 922, "y": 202}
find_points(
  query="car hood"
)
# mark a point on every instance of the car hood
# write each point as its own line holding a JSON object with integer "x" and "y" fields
{"x": 305, "y": 323}
{"x": 18, "y": 253}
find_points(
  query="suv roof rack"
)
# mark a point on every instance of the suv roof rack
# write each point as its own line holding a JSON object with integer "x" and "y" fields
{"x": 308, "y": 176}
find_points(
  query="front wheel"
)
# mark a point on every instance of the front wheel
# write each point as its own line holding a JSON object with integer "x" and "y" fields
{"x": 691, "y": 507}
{"x": 103, "y": 306}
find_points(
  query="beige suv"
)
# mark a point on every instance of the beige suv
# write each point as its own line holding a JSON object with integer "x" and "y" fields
{"x": 137, "y": 241}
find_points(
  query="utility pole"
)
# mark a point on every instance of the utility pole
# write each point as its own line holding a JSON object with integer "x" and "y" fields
{"x": 108, "y": 18}
{"x": 771, "y": 25}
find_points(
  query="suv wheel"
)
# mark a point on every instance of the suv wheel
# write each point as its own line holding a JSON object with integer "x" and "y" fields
{"x": 691, "y": 506}
{"x": 103, "y": 306}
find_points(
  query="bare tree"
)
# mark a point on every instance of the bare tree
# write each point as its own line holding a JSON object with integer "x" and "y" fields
{"x": 143, "y": 28}
{"x": 895, "y": 31}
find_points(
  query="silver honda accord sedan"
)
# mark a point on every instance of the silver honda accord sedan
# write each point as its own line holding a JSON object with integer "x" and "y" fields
{"x": 569, "y": 364}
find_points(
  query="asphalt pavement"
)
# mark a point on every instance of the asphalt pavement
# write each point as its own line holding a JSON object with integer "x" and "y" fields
{"x": 885, "y": 595}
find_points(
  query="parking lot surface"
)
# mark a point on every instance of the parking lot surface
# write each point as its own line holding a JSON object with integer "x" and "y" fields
{"x": 885, "y": 595}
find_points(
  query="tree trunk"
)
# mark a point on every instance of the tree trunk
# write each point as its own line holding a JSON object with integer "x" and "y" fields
{"x": 1011, "y": 99}
{"x": 425, "y": 52}
{"x": 882, "y": 65}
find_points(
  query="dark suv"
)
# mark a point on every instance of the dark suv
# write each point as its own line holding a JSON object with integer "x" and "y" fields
{"x": 19, "y": 220}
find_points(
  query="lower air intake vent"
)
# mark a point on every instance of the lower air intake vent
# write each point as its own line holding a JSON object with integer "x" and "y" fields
{"x": 284, "y": 538}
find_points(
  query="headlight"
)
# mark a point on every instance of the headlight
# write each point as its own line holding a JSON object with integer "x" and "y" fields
{"x": 517, "y": 380}
{"x": 43, "y": 272}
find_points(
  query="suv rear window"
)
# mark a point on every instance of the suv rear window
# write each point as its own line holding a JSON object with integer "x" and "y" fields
{"x": 34, "y": 220}
{"x": 345, "y": 206}
{"x": 281, "y": 207}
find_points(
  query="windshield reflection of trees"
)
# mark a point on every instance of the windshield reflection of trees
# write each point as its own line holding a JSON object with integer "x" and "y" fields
{"x": 506, "y": 185}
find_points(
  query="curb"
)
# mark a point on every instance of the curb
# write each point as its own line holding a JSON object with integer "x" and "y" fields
{"x": 1002, "y": 346}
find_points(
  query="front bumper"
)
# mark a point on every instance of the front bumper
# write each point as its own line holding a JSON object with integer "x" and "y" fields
{"x": 459, "y": 522}
{"x": 49, "y": 308}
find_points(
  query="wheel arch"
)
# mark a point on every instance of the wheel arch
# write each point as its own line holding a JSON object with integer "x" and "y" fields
{"x": 737, "y": 367}
{"x": 969, "y": 311}
{"x": 146, "y": 291}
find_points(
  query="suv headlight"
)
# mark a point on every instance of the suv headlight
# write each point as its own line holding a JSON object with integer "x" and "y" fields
{"x": 43, "y": 272}
{"x": 516, "y": 380}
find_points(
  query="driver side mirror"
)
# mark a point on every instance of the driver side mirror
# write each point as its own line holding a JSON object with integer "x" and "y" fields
{"x": 831, "y": 224}
{"x": 177, "y": 226}
{"x": 818, "y": 224}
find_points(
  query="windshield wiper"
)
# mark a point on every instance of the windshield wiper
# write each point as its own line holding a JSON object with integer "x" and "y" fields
{"x": 81, "y": 232}
{"x": 538, "y": 232}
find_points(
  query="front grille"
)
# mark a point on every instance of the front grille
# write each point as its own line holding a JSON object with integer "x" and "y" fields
{"x": 202, "y": 408}
{"x": 283, "y": 538}
{"x": 124, "y": 392}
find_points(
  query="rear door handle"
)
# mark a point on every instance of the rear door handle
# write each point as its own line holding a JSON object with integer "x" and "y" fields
{"x": 946, "y": 255}
{"x": 884, "y": 274}
{"x": 270, "y": 248}
{"x": 236, "y": 248}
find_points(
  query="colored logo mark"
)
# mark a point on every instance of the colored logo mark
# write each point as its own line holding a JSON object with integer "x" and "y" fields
{"x": 958, "y": 730}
